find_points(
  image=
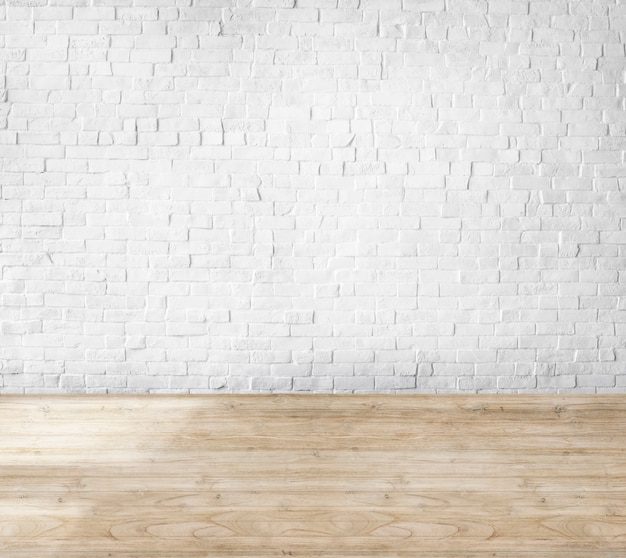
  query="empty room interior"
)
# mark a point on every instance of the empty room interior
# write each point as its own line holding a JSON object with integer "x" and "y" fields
{"x": 312, "y": 278}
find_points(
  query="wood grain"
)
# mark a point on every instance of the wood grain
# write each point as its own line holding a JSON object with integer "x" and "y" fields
{"x": 316, "y": 475}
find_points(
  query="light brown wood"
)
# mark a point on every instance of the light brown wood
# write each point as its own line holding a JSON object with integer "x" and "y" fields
{"x": 312, "y": 475}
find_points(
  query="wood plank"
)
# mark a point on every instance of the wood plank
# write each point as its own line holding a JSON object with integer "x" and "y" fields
{"x": 324, "y": 467}
{"x": 598, "y": 443}
{"x": 422, "y": 408}
{"x": 13, "y": 435}
{"x": 303, "y": 404}
{"x": 486, "y": 483}
{"x": 293, "y": 475}
{"x": 326, "y": 553}
{"x": 564, "y": 502}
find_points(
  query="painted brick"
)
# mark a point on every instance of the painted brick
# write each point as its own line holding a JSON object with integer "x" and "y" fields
{"x": 312, "y": 195}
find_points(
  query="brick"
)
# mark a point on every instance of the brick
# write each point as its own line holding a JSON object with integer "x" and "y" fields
{"x": 353, "y": 384}
{"x": 317, "y": 195}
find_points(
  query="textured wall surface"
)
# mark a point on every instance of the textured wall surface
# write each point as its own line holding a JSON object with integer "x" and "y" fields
{"x": 324, "y": 195}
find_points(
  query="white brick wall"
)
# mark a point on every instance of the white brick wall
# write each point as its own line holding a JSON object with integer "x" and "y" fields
{"x": 323, "y": 195}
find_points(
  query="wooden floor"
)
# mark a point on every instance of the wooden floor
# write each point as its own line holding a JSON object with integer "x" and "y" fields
{"x": 318, "y": 475}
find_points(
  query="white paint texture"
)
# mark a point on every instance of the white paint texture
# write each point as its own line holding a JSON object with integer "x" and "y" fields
{"x": 321, "y": 195}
